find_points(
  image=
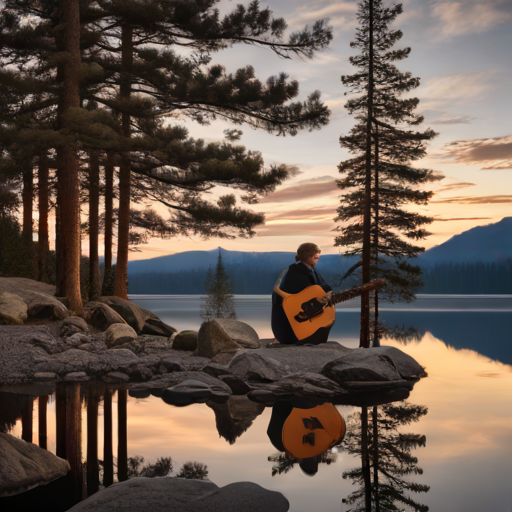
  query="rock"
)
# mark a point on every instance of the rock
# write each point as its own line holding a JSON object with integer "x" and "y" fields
{"x": 139, "y": 393}
{"x": 185, "y": 340}
{"x": 237, "y": 386}
{"x": 77, "y": 377}
{"x": 173, "y": 363}
{"x": 101, "y": 316}
{"x": 77, "y": 339}
{"x": 44, "y": 307}
{"x": 406, "y": 366}
{"x": 72, "y": 325}
{"x": 115, "y": 378}
{"x": 24, "y": 466}
{"x": 241, "y": 333}
{"x": 155, "y": 326}
{"x": 132, "y": 314}
{"x": 220, "y": 391}
{"x": 212, "y": 339}
{"x": 195, "y": 364}
{"x": 13, "y": 310}
{"x": 45, "y": 376}
{"x": 361, "y": 365}
{"x": 182, "y": 495}
{"x": 216, "y": 369}
{"x": 20, "y": 285}
{"x": 47, "y": 343}
{"x": 118, "y": 334}
{"x": 252, "y": 367}
{"x": 190, "y": 391}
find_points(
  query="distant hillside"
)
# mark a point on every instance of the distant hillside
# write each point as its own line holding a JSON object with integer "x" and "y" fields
{"x": 487, "y": 244}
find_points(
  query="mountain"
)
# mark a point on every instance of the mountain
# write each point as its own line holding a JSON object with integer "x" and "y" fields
{"x": 487, "y": 244}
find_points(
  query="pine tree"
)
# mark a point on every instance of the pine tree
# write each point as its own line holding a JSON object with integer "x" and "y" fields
{"x": 219, "y": 301}
{"x": 379, "y": 181}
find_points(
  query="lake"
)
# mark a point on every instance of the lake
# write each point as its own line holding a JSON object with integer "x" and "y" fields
{"x": 459, "y": 417}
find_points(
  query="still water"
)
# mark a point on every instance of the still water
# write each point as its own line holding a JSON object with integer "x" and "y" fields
{"x": 463, "y": 410}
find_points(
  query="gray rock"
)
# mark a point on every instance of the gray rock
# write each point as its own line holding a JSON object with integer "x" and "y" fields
{"x": 195, "y": 363}
{"x": 406, "y": 366}
{"x": 216, "y": 369}
{"x": 181, "y": 495}
{"x": 240, "y": 332}
{"x": 77, "y": 377}
{"x": 252, "y": 367}
{"x": 44, "y": 307}
{"x": 49, "y": 344}
{"x": 115, "y": 378}
{"x": 76, "y": 339}
{"x": 219, "y": 389}
{"x": 361, "y": 365}
{"x": 155, "y": 326}
{"x": 185, "y": 340}
{"x": 101, "y": 316}
{"x": 13, "y": 310}
{"x": 190, "y": 391}
{"x": 237, "y": 386}
{"x": 24, "y": 466}
{"x": 119, "y": 334}
{"x": 72, "y": 325}
{"x": 212, "y": 339}
{"x": 173, "y": 363}
{"x": 45, "y": 376}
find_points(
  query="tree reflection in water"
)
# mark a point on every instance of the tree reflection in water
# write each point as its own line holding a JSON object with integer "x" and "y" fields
{"x": 386, "y": 459}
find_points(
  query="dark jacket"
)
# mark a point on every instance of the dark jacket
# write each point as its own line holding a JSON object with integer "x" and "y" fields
{"x": 298, "y": 278}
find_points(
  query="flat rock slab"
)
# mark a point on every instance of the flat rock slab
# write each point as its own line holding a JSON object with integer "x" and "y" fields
{"x": 180, "y": 495}
{"x": 24, "y": 466}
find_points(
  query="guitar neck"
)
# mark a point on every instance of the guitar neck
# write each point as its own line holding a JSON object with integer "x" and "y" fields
{"x": 377, "y": 284}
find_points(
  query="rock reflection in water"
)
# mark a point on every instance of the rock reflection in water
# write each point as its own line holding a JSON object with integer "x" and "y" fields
{"x": 386, "y": 461}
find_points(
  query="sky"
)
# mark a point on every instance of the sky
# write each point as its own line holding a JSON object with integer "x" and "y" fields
{"x": 461, "y": 53}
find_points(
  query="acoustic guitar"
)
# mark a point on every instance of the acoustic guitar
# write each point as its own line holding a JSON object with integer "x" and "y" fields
{"x": 311, "y": 312}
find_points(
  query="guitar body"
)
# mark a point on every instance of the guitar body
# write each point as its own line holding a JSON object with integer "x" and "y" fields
{"x": 315, "y": 330}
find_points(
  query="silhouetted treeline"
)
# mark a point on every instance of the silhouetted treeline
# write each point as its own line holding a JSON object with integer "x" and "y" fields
{"x": 463, "y": 278}
{"x": 457, "y": 278}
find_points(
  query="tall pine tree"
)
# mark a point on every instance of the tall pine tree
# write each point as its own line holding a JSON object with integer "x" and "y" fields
{"x": 379, "y": 182}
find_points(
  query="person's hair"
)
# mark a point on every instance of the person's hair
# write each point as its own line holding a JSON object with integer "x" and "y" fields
{"x": 307, "y": 250}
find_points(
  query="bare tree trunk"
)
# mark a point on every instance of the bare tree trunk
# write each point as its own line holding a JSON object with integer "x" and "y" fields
{"x": 108, "y": 450}
{"x": 364, "y": 340}
{"x": 67, "y": 162}
{"x": 376, "y": 340}
{"x": 74, "y": 437}
{"x": 28, "y": 202}
{"x": 92, "y": 443}
{"x": 43, "y": 205}
{"x": 42, "y": 417}
{"x": 109, "y": 200}
{"x": 120, "y": 288}
{"x": 122, "y": 435}
{"x": 376, "y": 461}
{"x": 27, "y": 419}
{"x": 94, "y": 199}
{"x": 365, "y": 460}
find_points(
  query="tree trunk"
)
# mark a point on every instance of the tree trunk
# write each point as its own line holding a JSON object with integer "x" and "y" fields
{"x": 376, "y": 340}
{"x": 92, "y": 443}
{"x": 375, "y": 449}
{"x": 120, "y": 288}
{"x": 108, "y": 453}
{"x": 364, "y": 340}
{"x": 28, "y": 202}
{"x": 109, "y": 200}
{"x": 67, "y": 162}
{"x": 94, "y": 199}
{"x": 43, "y": 239}
{"x": 365, "y": 460}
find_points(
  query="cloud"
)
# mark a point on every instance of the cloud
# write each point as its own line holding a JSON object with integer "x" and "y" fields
{"x": 460, "y": 18}
{"x": 460, "y": 88}
{"x": 297, "y": 228}
{"x": 454, "y": 186}
{"x": 476, "y": 200}
{"x": 457, "y": 119}
{"x": 303, "y": 190}
{"x": 463, "y": 218}
{"x": 340, "y": 14}
{"x": 319, "y": 212}
{"x": 491, "y": 153}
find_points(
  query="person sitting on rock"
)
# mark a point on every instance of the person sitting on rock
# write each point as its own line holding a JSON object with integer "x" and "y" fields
{"x": 298, "y": 277}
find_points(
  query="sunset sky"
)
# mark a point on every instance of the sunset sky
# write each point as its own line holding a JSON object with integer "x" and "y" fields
{"x": 461, "y": 52}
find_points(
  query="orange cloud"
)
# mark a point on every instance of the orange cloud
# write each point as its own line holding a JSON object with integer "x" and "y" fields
{"x": 303, "y": 190}
{"x": 297, "y": 228}
{"x": 320, "y": 212}
{"x": 476, "y": 200}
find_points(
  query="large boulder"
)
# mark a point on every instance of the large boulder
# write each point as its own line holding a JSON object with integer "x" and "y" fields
{"x": 213, "y": 338}
{"x": 13, "y": 310}
{"x": 44, "y": 307}
{"x": 119, "y": 334}
{"x": 155, "y": 326}
{"x": 72, "y": 325}
{"x": 406, "y": 366}
{"x": 361, "y": 365}
{"x": 252, "y": 367}
{"x": 181, "y": 495}
{"x": 101, "y": 315}
{"x": 24, "y": 466}
{"x": 239, "y": 332}
{"x": 185, "y": 340}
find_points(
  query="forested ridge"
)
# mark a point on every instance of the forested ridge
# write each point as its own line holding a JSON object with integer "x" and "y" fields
{"x": 448, "y": 277}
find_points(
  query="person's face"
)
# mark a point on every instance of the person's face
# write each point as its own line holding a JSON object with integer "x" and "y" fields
{"x": 312, "y": 260}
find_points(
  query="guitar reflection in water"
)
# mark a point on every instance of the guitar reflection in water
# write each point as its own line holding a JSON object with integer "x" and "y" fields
{"x": 303, "y": 303}
{"x": 304, "y": 434}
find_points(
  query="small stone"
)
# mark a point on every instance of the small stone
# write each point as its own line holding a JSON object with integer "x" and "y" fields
{"x": 77, "y": 377}
{"x": 185, "y": 340}
{"x": 187, "y": 392}
{"x": 76, "y": 339}
{"x": 45, "y": 376}
{"x": 118, "y": 334}
{"x": 115, "y": 377}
